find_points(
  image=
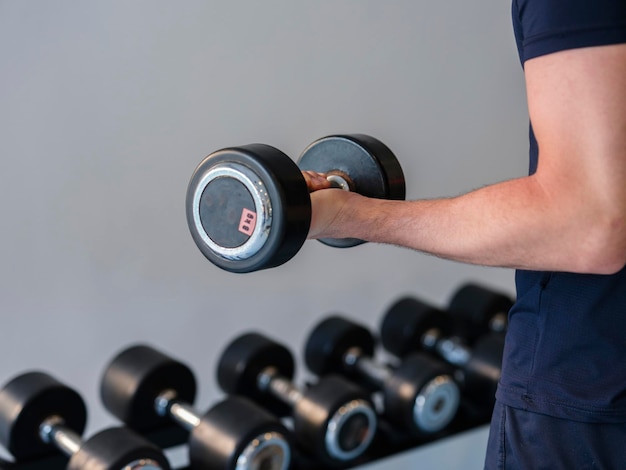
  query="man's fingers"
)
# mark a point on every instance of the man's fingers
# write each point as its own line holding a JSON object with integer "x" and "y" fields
{"x": 315, "y": 181}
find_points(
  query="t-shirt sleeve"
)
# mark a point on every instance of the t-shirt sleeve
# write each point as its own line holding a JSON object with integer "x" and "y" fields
{"x": 548, "y": 26}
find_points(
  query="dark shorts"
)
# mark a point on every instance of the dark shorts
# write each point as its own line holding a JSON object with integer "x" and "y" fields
{"x": 522, "y": 440}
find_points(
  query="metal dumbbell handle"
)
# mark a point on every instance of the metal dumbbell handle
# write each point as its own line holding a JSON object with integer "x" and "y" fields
{"x": 375, "y": 372}
{"x": 340, "y": 181}
{"x": 498, "y": 323}
{"x": 53, "y": 431}
{"x": 451, "y": 349}
{"x": 278, "y": 386}
{"x": 166, "y": 404}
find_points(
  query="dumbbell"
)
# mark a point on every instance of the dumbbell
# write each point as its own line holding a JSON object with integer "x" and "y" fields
{"x": 411, "y": 325}
{"x": 334, "y": 421}
{"x": 481, "y": 309}
{"x": 39, "y": 413}
{"x": 420, "y": 396}
{"x": 248, "y": 208}
{"x": 146, "y": 389}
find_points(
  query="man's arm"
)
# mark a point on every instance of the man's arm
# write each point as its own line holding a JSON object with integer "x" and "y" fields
{"x": 568, "y": 216}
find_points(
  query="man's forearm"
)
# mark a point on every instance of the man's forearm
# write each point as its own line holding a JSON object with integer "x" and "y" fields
{"x": 511, "y": 224}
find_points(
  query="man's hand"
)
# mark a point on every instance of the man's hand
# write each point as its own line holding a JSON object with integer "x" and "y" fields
{"x": 326, "y": 205}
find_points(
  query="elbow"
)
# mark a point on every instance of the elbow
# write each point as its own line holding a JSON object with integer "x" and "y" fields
{"x": 605, "y": 251}
{"x": 606, "y": 265}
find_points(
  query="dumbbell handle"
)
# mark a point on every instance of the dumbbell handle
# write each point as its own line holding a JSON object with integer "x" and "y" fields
{"x": 376, "y": 373}
{"x": 451, "y": 349}
{"x": 282, "y": 388}
{"x": 498, "y": 323}
{"x": 53, "y": 431}
{"x": 339, "y": 180}
{"x": 166, "y": 404}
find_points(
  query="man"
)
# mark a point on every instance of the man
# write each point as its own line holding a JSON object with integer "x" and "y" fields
{"x": 561, "y": 402}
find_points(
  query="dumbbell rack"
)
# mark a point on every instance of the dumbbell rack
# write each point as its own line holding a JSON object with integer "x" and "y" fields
{"x": 389, "y": 441}
{"x": 386, "y": 444}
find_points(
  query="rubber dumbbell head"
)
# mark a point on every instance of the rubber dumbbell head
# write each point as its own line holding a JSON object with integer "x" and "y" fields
{"x": 333, "y": 420}
{"x": 482, "y": 372}
{"x": 26, "y": 402}
{"x": 39, "y": 413}
{"x": 142, "y": 383}
{"x": 243, "y": 363}
{"x": 407, "y": 321}
{"x": 248, "y": 208}
{"x": 118, "y": 448}
{"x": 420, "y": 395}
{"x": 132, "y": 381}
{"x": 331, "y": 340}
{"x": 483, "y": 307}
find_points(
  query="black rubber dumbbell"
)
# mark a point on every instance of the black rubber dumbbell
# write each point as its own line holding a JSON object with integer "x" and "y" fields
{"x": 146, "y": 389}
{"x": 420, "y": 395}
{"x": 334, "y": 421}
{"x": 38, "y": 414}
{"x": 412, "y": 325}
{"x": 481, "y": 309}
{"x": 248, "y": 208}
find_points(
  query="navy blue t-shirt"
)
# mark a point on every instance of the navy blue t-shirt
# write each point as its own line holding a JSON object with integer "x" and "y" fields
{"x": 565, "y": 354}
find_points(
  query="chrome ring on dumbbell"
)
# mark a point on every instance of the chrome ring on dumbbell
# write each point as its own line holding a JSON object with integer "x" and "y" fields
{"x": 437, "y": 404}
{"x": 143, "y": 464}
{"x": 341, "y": 420}
{"x": 265, "y": 448}
{"x": 255, "y": 222}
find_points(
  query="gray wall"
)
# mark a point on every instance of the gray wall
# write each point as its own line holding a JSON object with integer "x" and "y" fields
{"x": 106, "y": 108}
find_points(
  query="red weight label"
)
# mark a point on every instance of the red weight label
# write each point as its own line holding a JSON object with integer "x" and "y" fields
{"x": 247, "y": 222}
